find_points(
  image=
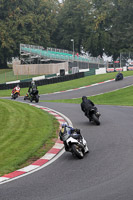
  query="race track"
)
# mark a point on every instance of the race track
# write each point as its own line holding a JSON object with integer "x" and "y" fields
{"x": 92, "y": 90}
{"x": 104, "y": 174}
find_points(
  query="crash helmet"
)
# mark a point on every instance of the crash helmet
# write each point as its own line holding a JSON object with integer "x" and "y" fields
{"x": 84, "y": 98}
{"x": 33, "y": 82}
{"x": 64, "y": 125}
{"x": 18, "y": 86}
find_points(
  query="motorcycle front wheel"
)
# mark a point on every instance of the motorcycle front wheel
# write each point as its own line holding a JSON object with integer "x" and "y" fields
{"x": 15, "y": 96}
{"x": 78, "y": 151}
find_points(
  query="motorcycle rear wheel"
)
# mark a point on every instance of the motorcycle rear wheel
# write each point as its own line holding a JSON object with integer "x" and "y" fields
{"x": 78, "y": 151}
{"x": 37, "y": 99}
{"x": 95, "y": 119}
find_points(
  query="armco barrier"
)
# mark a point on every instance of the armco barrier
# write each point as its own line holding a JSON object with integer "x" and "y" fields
{"x": 44, "y": 81}
{"x": 26, "y": 80}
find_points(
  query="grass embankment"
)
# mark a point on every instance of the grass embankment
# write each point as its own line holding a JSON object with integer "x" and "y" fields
{"x": 69, "y": 84}
{"x": 26, "y": 133}
{"x": 123, "y": 97}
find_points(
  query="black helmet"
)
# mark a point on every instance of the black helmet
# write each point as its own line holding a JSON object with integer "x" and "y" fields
{"x": 84, "y": 98}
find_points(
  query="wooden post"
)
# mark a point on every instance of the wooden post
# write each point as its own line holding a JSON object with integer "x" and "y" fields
{"x": 17, "y": 74}
{"x": 28, "y": 71}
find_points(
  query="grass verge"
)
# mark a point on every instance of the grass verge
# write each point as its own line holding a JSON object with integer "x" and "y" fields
{"x": 26, "y": 133}
{"x": 70, "y": 84}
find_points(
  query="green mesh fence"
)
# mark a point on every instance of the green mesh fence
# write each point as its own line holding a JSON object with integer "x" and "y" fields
{"x": 7, "y": 76}
{"x": 60, "y": 55}
{"x": 89, "y": 73}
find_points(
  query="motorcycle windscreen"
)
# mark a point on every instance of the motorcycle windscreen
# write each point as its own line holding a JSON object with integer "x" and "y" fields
{"x": 64, "y": 134}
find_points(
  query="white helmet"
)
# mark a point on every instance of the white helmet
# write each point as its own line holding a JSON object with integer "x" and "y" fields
{"x": 64, "y": 125}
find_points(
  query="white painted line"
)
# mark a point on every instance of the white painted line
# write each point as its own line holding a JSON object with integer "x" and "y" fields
{"x": 48, "y": 156}
{"x": 95, "y": 84}
{"x": 109, "y": 81}
{"x": 69, "y": 90}
{"x": 52, "y": 113}
{"x": 59, "y": 118}
{"x": 82, "y": 87}
{"x": 3, "y": 179}
{"x": 58, "y": 146}
{"x": 28, "y": 168}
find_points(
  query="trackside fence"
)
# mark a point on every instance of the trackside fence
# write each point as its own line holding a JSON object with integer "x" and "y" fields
{"x": 24, "y": 84}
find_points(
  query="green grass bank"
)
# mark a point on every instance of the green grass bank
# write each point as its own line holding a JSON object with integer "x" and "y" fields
{"x": 26, "y": 134}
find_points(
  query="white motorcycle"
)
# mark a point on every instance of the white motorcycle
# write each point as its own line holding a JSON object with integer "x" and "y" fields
{"x": 74, "y": 143}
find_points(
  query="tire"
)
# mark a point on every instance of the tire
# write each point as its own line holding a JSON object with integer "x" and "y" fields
{"x": 78, "y": 151}
{"x": 95, "y": 119}
{"x": 37, "y": 99}
{"x": 14, "y": 97}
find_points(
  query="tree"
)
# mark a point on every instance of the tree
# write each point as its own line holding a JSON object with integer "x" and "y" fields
{"x": 71, "y": 24}
{"x": 96, "y": 37}
{"x": 122, "y": 27}
{"x": 30, "y": 22}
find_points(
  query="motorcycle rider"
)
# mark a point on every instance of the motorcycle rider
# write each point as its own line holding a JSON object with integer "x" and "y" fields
{"x": 87, "y": 105}
{"x": 32, "y": 88}
{"x": 75, "y": 133}
{"x": 119, "y": 76}
{"x": 17, "y": 88}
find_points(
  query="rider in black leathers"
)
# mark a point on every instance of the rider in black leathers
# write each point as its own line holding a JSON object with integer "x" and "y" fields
{"x": 119, "y": 76}
{"x": 32, "y": 88}
{"x": 87, "y": 105}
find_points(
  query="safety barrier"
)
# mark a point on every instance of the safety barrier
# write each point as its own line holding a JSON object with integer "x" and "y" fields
{"x": 43, "y": 81}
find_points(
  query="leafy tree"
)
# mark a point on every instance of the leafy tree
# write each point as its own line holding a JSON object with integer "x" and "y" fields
{"x": 30, "y": 22}
{"x": 98, "y": 26}
{"x": 96, "y": 38}
{"x": 111, "y": 28}
{"x": 71, "y": 24}
{"x": 122, "y": 27}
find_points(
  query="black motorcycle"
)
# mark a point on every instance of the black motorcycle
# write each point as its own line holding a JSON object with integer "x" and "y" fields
{"x": 119, "y": 77}
{"x": 93, "y": 115}
{"x": 34, "y": 96}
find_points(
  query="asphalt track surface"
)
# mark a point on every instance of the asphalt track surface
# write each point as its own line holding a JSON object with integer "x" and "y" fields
{"x": 106, "y": 173}
{"x": 92, "y": 90}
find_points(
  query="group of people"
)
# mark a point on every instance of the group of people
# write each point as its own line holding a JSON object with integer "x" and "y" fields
{"x": 31, "y": 89}
{"x": 86, "y": 106}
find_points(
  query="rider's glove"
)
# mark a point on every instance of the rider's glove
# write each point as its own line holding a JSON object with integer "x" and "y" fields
{"x": 77, "y": 131}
